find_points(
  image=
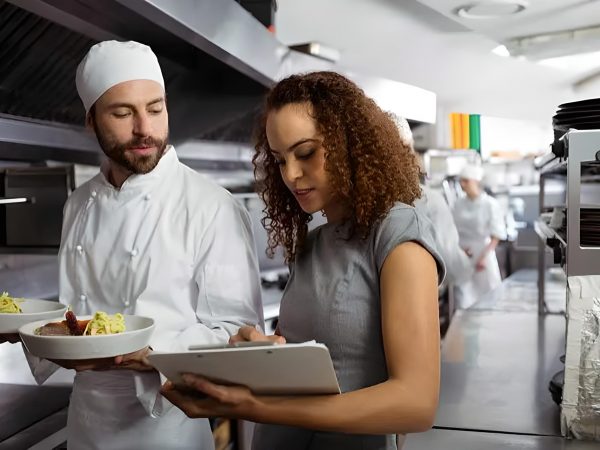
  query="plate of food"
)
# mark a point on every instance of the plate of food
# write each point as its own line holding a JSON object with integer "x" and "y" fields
{"x": 16, "y": 312}
{"x": 87, "y": 337}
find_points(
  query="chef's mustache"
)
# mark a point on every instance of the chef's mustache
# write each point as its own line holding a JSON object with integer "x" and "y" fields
{"x": 148, "y": 141}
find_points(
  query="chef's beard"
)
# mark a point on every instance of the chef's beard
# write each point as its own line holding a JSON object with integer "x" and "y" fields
{"x": 118, "y": 152}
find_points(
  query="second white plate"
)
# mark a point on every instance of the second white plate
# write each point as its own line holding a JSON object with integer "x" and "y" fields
{"x": 137, "y": 335}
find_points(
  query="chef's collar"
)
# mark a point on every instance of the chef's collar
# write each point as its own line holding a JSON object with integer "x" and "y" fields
{"x": 481, "y": 195}
{"x": 137, "y": 181}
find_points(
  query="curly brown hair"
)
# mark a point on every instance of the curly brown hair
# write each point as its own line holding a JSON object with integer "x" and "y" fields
{"x": 368, "y": 165}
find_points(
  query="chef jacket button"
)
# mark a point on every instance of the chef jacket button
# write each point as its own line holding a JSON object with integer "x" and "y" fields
{"x": 94, "y": 194}
{"x": 134, "y": 252}
{"x": 147, "y": 197}
{"x": 83, "y": 297}
{"x": 79, "y": 249}
{"x": 126, "y": 303}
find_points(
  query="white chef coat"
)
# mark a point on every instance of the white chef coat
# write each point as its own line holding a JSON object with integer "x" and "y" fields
{"x": 434, "y": 207}
{"x": 171, "y": 245}
{"x": 477, "y": 221}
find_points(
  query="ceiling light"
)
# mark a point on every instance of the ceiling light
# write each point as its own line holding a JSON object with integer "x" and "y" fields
{"x": 319, "y": 50}
{"x": 501, "y": 50}
{"x": 582, "y": 62}
{"x": 490, "y": 9}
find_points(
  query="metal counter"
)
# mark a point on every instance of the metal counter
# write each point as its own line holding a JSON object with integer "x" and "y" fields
{"x": 495, "y": 372}
{"x": 497, "y": 360}
{"x": 470, "y": 440}
{"x": 29, "y": 413}
{"x": 519, "y": 293}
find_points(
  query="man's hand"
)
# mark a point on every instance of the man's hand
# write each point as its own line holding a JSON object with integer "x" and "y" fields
{"x": 134, "y": 361}
{"x": 480, "y": 266}
{"x": 12, "y": 338}
{"x": 248, "y": 333}
{"x": 131, "y": 361}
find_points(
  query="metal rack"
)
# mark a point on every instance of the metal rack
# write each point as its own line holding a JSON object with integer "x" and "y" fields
{"x": 582, "y": 149}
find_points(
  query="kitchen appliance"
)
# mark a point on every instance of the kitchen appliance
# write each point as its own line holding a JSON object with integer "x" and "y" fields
{"x": 31, "y": 205}
{"x": 574, "y": 237}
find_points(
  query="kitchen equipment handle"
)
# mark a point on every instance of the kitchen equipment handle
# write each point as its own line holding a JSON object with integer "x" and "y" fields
{"x": 14, "y": 200}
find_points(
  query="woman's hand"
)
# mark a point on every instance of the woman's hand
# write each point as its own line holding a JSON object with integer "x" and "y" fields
{"x": 248, "y": 333}
{"x": 221, "y": 401}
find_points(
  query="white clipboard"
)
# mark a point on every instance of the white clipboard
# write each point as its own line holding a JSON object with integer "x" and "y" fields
{"x": 285, "y": 369}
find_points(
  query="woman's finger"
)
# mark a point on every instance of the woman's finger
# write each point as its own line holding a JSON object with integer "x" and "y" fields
{"x": 203, "y": 385}
{"x": 247, "y": 333}
{"x": 225, "y": 395}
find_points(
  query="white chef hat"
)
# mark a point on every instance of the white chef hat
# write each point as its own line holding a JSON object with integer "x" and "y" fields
{"x": 471, "y": 172}
{"x": 404, "y": 129}
{"x": 109, "y": 63}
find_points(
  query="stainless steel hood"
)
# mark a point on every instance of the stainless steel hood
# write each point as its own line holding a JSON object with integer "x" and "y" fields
{"x": 218, "y": 62}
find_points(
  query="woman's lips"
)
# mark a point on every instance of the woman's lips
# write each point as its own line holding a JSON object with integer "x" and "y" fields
{"x": 302, "y": 194}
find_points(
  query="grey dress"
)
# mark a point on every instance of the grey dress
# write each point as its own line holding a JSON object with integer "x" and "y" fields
{"x": 333, "y": 297}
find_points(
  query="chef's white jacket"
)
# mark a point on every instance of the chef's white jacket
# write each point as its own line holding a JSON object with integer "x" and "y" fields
{"x": 171, "y": 245}
{"x": 477, "y": 221}
{"x": 435, "y": 208}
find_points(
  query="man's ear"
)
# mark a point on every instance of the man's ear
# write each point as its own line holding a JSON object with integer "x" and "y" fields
{"x": 89, "y": 122}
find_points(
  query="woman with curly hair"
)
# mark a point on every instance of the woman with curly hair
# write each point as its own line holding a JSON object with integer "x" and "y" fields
{"x": 364, "y": 283}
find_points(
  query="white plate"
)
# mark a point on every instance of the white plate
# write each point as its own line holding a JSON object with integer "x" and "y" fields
{"x": 32, "y": 310}
{"x": 137, "y": 335}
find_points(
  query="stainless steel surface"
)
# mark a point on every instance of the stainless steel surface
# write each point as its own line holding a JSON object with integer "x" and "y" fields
{"x": 495, "y": 372}
{"x": 518, "y": 293}
{"x": 228, "y": 33}
{"x": 550, "y": 195}
{"x": 582, "y": 147}
{"x": 37, "y": 223}
{"x": 45, "y": 134}
{"x": 45, "y": 140}
{"x": 28, "y": 412}
{"x": 38, "y": 278}
{"x": 60, "y": 16}
{"x": 217, "y": 61}
{"x": 24, "y": 406}
{"x": 471, "y": 440}
{"x": 544, "y": 233}
{"x": 225, "y": 31}
{"x": 48, "y": 433}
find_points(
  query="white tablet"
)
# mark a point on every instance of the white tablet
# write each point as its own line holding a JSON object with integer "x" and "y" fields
{"x": 287, "y": 369}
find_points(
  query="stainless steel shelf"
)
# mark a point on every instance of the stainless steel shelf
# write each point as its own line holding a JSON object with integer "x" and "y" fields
{"x": 559, "y": 168}
{"x": 29, "y": 250}
{"x": 543, "y": 230}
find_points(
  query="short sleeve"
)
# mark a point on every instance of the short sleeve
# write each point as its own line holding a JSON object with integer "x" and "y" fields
{"x": 497, "y": 223}
{"x": 406, "y": 224}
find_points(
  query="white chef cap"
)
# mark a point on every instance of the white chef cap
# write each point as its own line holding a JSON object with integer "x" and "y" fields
{"x": 406, "y": 135}
{"x": 109, "y": 63}
{"x": 471, "y": 172}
